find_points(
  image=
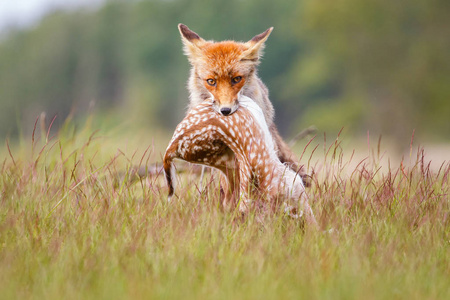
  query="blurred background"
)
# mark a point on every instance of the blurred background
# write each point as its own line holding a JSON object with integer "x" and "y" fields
{"x": 381, "y": 66}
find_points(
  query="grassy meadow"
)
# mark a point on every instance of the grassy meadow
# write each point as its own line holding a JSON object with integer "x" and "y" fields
{"x": 72, "y": 226}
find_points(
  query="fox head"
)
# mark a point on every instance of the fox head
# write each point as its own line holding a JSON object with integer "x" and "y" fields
{"x": 221, "y": 69}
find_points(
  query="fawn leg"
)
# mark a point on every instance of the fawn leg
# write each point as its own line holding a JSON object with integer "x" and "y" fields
{"x": 229, "y": 180}
{"x": 244, "y": 191}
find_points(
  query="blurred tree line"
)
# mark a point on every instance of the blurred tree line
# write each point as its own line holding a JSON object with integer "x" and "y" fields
{"x": 377, "y": 65}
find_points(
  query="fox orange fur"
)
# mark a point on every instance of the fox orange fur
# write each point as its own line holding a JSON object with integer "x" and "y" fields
{"x": 224, "y": 71}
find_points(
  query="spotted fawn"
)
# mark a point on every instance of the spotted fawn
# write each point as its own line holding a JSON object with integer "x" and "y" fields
{"x": 240, "y": 141}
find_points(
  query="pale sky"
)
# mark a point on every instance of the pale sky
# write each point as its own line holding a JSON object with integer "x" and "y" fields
{"x": 27, "y": 12}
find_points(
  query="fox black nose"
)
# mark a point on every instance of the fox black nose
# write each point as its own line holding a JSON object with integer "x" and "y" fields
{"x": 225, "y": 111}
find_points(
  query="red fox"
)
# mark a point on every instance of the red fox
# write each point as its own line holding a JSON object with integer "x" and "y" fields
{"x": 224, "y": 71}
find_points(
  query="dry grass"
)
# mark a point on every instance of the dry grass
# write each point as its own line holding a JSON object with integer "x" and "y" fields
{"x": 70, "y": 230}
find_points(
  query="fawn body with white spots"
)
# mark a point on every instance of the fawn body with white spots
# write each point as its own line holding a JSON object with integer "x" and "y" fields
{"x": 209, "y": 138}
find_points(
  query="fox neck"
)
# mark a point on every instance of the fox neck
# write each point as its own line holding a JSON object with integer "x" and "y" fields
{"x": 254, "y": 88}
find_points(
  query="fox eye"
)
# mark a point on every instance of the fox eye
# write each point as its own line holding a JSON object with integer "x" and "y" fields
{"x": 211, "y": 82}
{"x": 236, "y": 79}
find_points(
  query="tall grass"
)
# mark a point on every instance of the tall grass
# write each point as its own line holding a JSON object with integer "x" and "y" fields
{"x": 72, "y": 226}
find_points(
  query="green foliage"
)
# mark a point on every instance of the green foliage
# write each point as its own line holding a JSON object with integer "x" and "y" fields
{"x": 331, "y": 116}
{"x": 389, "y": 56}
{"x": 394, "y": 53}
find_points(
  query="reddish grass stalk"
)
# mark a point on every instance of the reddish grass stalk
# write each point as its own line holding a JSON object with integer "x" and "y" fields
{"x": 49, "y": 128}
{"x": 10, "y": 154}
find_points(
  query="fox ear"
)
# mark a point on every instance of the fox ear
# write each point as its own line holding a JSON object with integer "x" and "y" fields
{"x": 255, "y": 46}
{"x": 191, "y": 41}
